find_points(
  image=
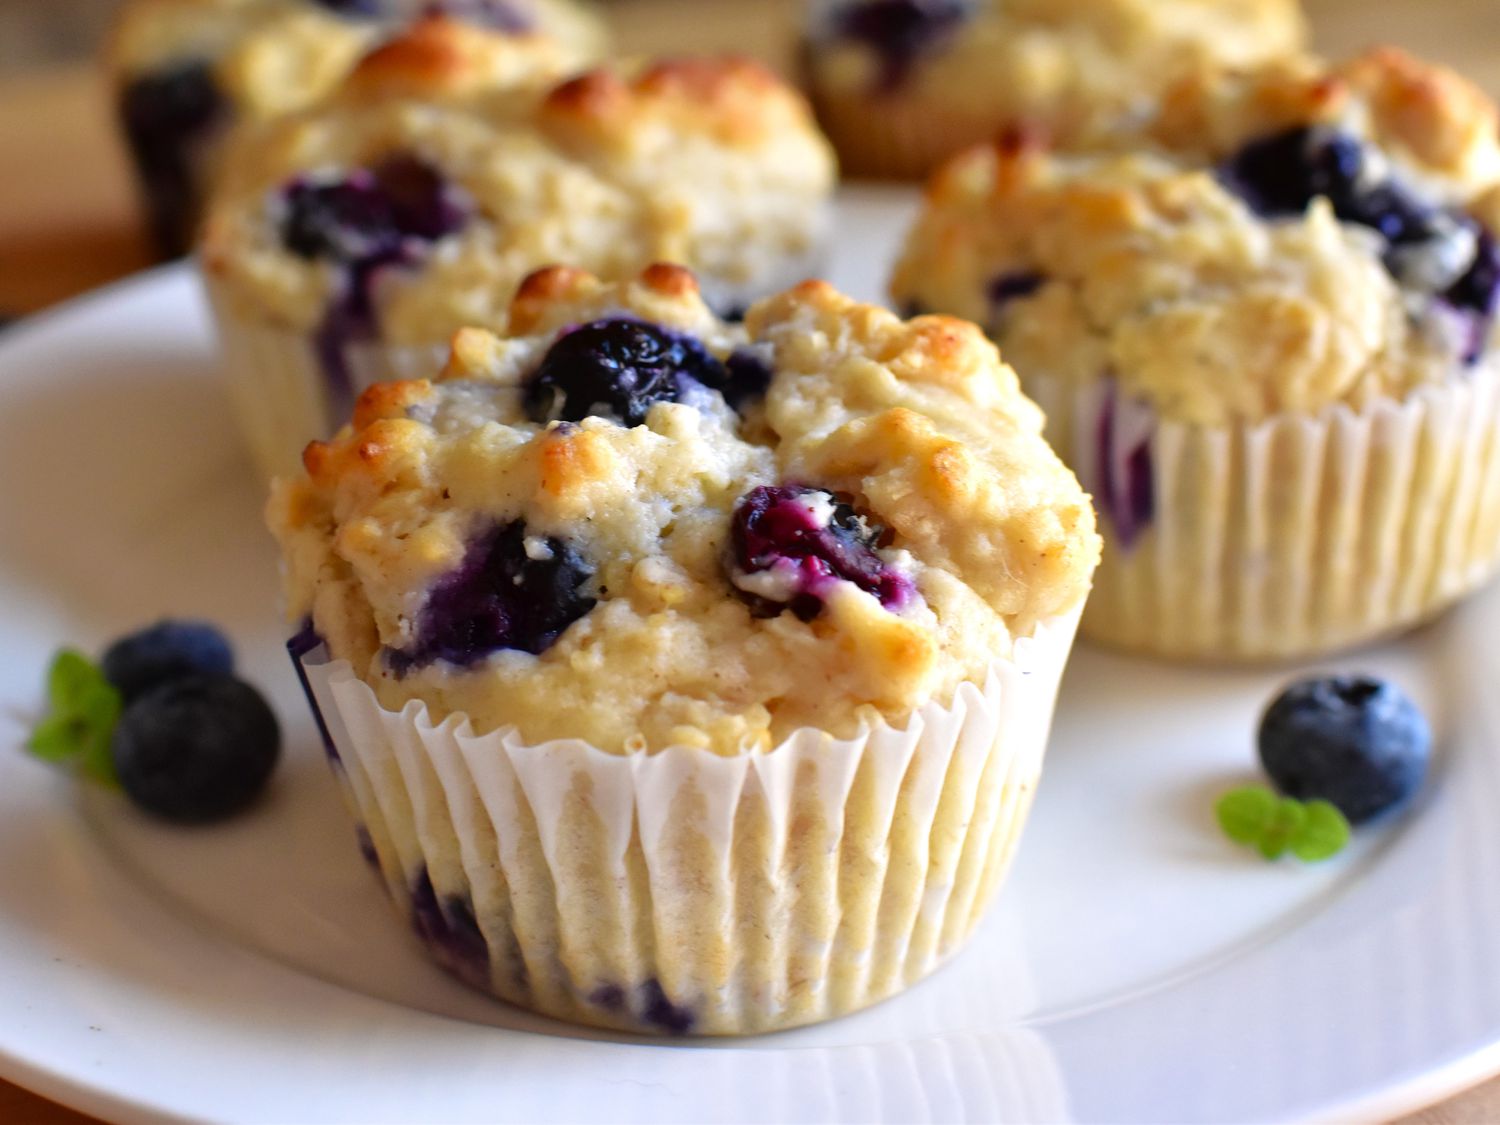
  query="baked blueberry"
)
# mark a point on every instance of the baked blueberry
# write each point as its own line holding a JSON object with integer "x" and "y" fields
{"x": 355, "y": 9}
{"x": 344, "y": 220}
{"x": 899, "y": 31}
{"x": 791, "y": 544}
{"x": 196, "y": 750}
{"x": 1013, "y": 286}
{"x": 512, "y": 591}
{"x": 1355, "y": 741}
{"x": 369, "y": 219}
{"x": 168, "y": 650}
{"x": 1126, "y": 484}
{"x": 619, "y": 369}
{"x": 497, "y": 14}
{"x": 658, "y": 1010}
{"x": 450, "y": 931}
{"x": 168, "y": 115}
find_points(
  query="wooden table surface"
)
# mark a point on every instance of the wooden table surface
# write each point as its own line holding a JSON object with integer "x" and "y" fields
{"x": 68, "y": 221}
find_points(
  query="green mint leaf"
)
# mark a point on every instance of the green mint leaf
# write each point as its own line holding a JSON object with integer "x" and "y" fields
{"x": 1290, "y": 817}
{"x": 55, "y": 738}
{"x": 1247, "y": 814}
{"x": 69, "y": 677}
{"x": 99, "y": 710}
{"x": 85, "y": 707}
{"x": 1324, "y": 833}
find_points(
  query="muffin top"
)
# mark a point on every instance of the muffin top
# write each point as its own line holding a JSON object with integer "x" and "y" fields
{"x": 268, "y": 57}
{"x": 712, "y": 163}
{"x": 634, "y": 523}
{"x": 1078, "y": 68}
{"x": 1318, "y": 236}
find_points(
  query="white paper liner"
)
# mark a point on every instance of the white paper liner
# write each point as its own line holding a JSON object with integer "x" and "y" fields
{"x": 1296, "y": 535}
{"x": 281, "y": 395}
{"x": 683, "y": 891}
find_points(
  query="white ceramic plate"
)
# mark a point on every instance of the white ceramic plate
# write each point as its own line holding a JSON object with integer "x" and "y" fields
{"x": 1137, "y": 968}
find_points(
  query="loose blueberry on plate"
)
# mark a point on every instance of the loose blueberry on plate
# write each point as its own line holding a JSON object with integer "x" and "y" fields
{"x": 197, "y": 749}
{"x": 792, "y": 543}
{"x": 168, "y": 650}
{"x": 1355, "y": 741}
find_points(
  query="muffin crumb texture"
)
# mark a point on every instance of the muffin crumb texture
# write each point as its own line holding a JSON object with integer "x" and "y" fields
{"x": 638, "y": 525}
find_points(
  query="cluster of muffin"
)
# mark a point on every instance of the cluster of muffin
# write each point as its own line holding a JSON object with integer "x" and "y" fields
{"x": 686, "y": 644}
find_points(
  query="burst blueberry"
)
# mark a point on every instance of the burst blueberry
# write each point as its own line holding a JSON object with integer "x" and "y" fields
{"x": 1355, "y": 741}
{"x": 169, "y": 650}
{"x": 196, "y": 750}
{"x": 793, "y": 544}
{"x": 512, "y": 591}
{"x": 619, "y": 369}
{"x": 366, "y": 221}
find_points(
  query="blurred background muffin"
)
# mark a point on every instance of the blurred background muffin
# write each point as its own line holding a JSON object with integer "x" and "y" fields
{"x": 902, "y": 84}
{"x": 186, "y": 72}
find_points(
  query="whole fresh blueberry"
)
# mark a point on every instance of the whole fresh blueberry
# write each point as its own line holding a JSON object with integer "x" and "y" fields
{"x": 791, "y": 544}
{"x": 1356, "y": 741}
{"x": 197, "y": 749}
{"x": 168, "y": 650}
{"x": 512, "y": 591}
{"x": 619, "y": 369}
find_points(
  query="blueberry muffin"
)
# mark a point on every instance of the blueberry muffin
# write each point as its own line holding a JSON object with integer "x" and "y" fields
{"x": 900, "y": 85}
{"x": 348, "y": 243}
{"x": 1271, "y": 356}
{"x": 185, "y": 71}
{"x": 690, "y": 676}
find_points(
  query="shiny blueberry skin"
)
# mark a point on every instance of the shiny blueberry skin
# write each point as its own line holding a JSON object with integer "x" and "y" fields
{"x": 168, "y": 116}
{"x": 196, "y": 750}
{"x": 774, "y": 530}
{"x": 899, "y": 31}
{"x": 1355, "y": 741}
{"x": 618, "y": 369}
{"x": 500, "y": 598}
{"x": 168, "y": 650}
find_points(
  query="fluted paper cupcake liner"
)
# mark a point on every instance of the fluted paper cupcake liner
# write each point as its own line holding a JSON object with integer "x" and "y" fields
{"x": 283, "y": 396}
{"x": 1291, "y": 537}
{"x": 687, "y": 892}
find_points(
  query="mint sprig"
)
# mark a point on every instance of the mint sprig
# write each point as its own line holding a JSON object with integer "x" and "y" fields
{"x": 82, "y": 710}
{"x": 1257, "y": 818}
